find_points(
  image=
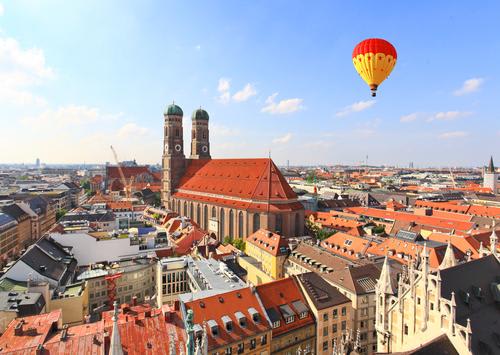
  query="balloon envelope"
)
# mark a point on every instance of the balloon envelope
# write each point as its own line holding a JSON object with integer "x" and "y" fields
{"x": 374, "y": 59}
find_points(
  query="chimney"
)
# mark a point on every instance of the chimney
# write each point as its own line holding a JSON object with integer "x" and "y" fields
{"x": 18, "y": 329}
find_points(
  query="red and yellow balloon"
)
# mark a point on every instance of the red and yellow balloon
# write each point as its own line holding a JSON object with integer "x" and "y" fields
{"x": 374, "y": 59}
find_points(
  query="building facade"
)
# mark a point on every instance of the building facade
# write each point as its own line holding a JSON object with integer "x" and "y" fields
{"x": 458, "y": 304}
{"x": 332, "y": 310}
{"x": 226, "y": 197}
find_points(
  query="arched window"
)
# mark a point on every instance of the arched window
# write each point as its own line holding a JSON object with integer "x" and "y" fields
{"x": 240, "y": 225}
{"x": 231, "y": 223}
{"x": 256, "y": 222}
{"x": 221, "y": 224}
{"x": 198, "y": 214}
{"x": 205, "y": 217}
{"x": 178, "y": 207}
{"x": 204, "y": 135}
{"x": 297, "y": 225}
{"x": 185, "y": 209}
{"x": 191, "y": 211}
{"x": 279, "y": 224}
{"x": 214, "y": 212}
{"x": 177, "y": 132}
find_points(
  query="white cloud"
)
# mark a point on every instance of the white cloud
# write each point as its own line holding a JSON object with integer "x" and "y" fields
{"x": 1, "y": 10}
{"x": 71, "y": 115}
{"x": 224, "y": 85}
{"x": 284, "y": 139}
{"x": 469, "y": 86}
{"x": 131, "y": 130}
{"x": 223, "y": 89}
{"x": 225, "y": 97}
{"x": 244, "y": 94}
{"x": 20, "y": 70}
{"x": 282, "y": 107}
{"x": 355, "y": 107}
{"x": 453, "y": 134}
{"x": 449, "y": 115}
{"x": 410, "y": 117}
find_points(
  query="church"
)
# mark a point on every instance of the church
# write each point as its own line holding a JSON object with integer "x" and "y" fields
{"x": 226, "y": 197}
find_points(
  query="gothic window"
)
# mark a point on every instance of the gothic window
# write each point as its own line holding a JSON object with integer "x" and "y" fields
{"x": 177, "y": 132}
{"x": 194, "y": 134}
{"x": 214, "y": 212}
{"x": 185, "y": 208}
{"x": 198, "y": 213}
{"x": 205, "y": 217}
{"x": 204, "y": 134}
{"x": 191, "y": 212}
{"x": 240, "y": 224}
{"x": 179, "y": 207}
{"x": 231, "y": 223}
{"x": 256, "y": 222}
{"x": 279, "y": 223}
{"x": 221, "y": 224}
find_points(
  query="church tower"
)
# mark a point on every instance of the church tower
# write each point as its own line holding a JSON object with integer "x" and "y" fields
{"x": 200, "y": 143}
{"x": 490, "y": 178}
{"x": 174, "y": 161}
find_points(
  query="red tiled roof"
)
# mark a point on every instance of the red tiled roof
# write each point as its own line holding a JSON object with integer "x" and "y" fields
{"x": 269, "y": 242}
{"x": 347, "y": 245}
{"x": 475, "y": 210}
{"x": 463, "y": 243}
{"x": 403, "y": 216}
{"x": 285, "y": 291}
{"x": 254, "y": 179}
{"x": 242, "y": 205}
{"x": 407, "y": 248}
{"x": 41, "y": 325}
{"x": 227, "y": 304}
{"x": 119, "y": 205}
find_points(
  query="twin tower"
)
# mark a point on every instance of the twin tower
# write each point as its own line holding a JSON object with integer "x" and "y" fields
{"x": 174, "y": 161}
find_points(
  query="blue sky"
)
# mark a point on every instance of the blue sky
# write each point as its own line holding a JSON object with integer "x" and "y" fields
{"x": 77, "y": 76}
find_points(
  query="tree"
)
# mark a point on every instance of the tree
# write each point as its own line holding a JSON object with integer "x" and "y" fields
{"x": 378, "y": 229}
{"x": 227, "y": 240}
{"x": 240, "y": 244}
{"x": 61, "y": 212}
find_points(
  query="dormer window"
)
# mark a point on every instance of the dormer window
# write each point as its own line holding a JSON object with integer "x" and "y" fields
{"x": 276, "y": 324}
{"x": 214, "y": 328}
{"x": 254, "y": 314}
{"x": 242, "y": 320}
{"x": 289, "y": 320}
{"x": 302, "y": 315}
{"x": 228, "y": 323}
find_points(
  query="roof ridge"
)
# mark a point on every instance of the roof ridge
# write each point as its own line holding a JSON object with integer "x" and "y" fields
{"x": 261, "y": 178}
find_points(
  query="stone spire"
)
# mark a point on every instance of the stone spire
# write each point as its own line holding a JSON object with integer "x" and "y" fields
{"x": 384, "y": 283}
{"x": 491, "y": 166}
{"x": 449, "y": 259}
{"x": 116, "y": 343}
{"x": 493, "y": 240}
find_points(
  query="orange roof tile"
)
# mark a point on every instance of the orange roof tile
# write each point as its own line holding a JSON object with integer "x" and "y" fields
{"x": 252, "y": 179}
{"x": 284, "y": 292}
{"x": 465, "y": 243}
{"x": 268, "y": 241}
{"x": 227, "y": 304}
{"x": 409, "y": 217}
{"x": 347, "y": 245}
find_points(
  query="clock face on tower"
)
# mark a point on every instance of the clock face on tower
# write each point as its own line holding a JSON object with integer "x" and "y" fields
{"x": 204, "y": 149}
{"x": 178, "y": 147}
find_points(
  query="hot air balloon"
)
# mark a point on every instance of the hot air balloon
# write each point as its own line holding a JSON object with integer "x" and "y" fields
{"x": 374, "y": 59}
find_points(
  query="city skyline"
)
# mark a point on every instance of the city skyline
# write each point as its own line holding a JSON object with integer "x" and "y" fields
{"x": 273, "y": 77}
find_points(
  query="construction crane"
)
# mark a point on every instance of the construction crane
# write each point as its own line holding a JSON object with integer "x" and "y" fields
{"x": 127, "y": 187}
